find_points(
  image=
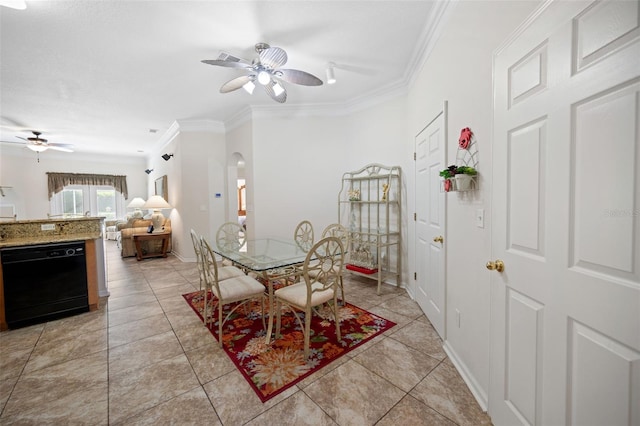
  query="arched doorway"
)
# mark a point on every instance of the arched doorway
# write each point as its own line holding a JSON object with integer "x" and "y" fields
{"x": 237, "y": 184}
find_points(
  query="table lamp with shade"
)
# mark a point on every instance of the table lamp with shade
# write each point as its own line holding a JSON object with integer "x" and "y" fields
{"x": 157, "y": 203}
{"x": 136, "y": 204}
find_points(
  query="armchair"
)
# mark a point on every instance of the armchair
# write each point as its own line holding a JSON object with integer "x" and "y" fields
{"x": 111, "y": 230}
{"x": 139, "y": 226}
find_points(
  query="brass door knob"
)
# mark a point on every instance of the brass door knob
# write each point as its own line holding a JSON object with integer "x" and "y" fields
{"x": 498, "y": 265}
{"x": 438, "y": 239}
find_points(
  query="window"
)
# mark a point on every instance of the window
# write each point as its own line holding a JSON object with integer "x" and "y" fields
{"x": 72, "y": 202}
{"x": 77, "y": 200}
{"x": 106, "y": 201}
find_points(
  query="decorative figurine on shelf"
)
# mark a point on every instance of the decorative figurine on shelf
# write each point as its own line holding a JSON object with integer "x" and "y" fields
{"x": 385, "y": 191}
{"x": 465, "y": 138}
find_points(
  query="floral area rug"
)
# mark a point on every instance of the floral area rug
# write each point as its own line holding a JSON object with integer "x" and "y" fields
{"x": 270, "y": 369}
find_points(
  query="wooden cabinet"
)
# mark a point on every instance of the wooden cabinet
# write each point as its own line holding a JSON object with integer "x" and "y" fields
{"x": 369, "y": 207}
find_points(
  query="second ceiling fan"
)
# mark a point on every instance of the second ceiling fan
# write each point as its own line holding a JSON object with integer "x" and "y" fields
{"x": 264, "y": 70}
{"x": 38, "y": 144}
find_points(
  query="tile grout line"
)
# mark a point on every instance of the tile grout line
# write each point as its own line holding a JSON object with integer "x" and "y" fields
{"x": 13, "y": 388}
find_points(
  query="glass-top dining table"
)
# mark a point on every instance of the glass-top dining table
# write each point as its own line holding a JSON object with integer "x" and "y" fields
{"x": 271, "y": 258}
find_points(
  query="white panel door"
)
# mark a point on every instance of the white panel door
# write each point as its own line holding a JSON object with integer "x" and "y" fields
{"x": 565, "y": 312}
{"x": 430, "y": 148}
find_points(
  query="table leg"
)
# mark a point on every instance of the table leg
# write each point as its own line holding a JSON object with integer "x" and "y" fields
{"x": 165, "y": 246}
{"x": 138, "y": 249}
{"x": 271, "y": 307}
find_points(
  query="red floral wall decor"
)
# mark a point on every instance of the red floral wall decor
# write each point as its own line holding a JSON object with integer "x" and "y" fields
{"x": 465, "y": 138}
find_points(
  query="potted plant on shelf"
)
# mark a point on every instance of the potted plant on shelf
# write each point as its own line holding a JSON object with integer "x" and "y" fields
{"x": 448, "y": 174}
{"x": 463, "y": 176}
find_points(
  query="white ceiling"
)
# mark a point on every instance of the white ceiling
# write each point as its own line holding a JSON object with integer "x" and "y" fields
{"x": 99, "y": 74}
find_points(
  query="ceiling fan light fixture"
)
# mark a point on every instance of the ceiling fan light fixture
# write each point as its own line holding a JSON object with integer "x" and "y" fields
{"x": 264, "y": 77}
{"x": 37, "y": 148}
{"x": 277, "y": 89}
{"x": 249, "y": 86}
{"x": 267, "y": 70}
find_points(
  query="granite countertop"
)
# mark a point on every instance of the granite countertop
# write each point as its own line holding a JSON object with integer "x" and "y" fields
{"x": 48, "y": 239}
{"x": 55, "y": 219}
{"x": 46, "y": 231}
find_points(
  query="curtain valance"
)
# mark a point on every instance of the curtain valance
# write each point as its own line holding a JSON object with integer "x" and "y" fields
{"x": 57, "y": 181}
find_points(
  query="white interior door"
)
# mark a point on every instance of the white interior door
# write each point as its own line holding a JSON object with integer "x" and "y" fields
{"x": 430, "y": 148}
{"x": 565, "y": 312}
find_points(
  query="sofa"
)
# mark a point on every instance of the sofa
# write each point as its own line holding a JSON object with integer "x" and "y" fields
{"x": 139, "y": 226}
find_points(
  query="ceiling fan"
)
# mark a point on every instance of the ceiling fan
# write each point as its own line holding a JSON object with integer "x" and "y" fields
{"x": 38, "y": 144}
{"x": 265, "y": 70}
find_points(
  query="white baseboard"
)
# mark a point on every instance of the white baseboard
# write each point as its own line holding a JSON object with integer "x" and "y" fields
{"x": 478, "y": 393}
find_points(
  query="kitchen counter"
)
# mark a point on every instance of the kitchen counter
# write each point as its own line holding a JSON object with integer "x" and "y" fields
{"x": 47, "y": 231}
{"x": 44, "y": 231}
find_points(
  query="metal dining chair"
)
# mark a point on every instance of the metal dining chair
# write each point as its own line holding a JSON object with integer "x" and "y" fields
{"x": 340, "y": 232}
{"x": 303, "y": 235}
{"x": 224, "y": 272}
{"x": 241, "y": 289}
{"x": 320, "y": 272}
{"x": 230, "y": 236}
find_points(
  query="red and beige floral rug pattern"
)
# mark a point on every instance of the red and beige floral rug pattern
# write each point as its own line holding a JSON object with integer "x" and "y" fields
{"x": 270, "y": 369}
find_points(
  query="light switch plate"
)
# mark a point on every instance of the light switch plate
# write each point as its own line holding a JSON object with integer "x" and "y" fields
{"x": 480, "y": 218}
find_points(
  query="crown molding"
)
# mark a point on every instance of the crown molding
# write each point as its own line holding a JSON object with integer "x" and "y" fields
{"x": 376, "y": 97}
{"x": 522, "y": 27}
{"x": 166, "y": 138}
{"x": 201, "y": 126}
{"x": 240, "y": 117}
{"x": 436, "y": 22}
{"x": 363, "y": 102}
{"x": 188, "y": 126}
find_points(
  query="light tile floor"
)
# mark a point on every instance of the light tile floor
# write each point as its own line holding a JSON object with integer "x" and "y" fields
{"x": 145, "y": 358}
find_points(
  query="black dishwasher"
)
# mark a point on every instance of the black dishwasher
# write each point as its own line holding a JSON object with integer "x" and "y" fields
{"x": 44, "y": 282}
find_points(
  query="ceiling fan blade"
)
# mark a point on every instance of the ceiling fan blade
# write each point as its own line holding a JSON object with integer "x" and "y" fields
{"x": 282, "y": 97}
{"x": 24, "y": 139}
{"x": 224, "y": 56}
{"x": 60, "y": 147}
{"x": 228, "y": 64}
{"x": 14, "y": 142}
{"x": 298, "y": 77}
{"x": 273, "y": 57}
{"x": 236, "y": 83}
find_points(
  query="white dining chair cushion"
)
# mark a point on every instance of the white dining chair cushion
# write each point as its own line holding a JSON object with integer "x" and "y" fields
{"x": 237, "y": 288}
{"x": 226, "y": 272}
{"x": 296, "y": 294}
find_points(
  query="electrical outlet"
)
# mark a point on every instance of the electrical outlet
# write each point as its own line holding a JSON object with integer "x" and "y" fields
{"x": 48, "y": 227}
{"x": 480, "y": 218}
